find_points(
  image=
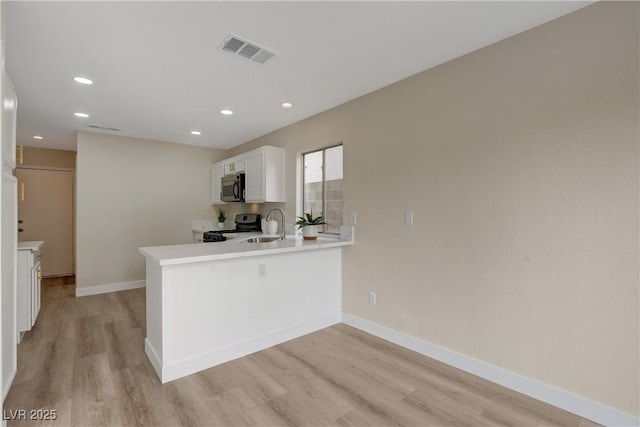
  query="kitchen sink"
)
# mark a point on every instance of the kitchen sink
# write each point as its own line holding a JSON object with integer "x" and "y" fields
{"x": 262, "y": 239}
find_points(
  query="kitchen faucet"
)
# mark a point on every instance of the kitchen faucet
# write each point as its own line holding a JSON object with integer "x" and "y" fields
{"x": 282, "y": 235}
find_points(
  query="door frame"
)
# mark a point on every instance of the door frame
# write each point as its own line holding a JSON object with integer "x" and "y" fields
{"x": 73, "y": 203}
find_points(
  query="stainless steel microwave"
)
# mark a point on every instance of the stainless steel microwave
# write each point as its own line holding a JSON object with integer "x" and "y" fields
{"x": 232, "y": 188}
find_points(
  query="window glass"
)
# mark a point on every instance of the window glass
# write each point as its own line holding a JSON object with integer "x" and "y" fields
{"x": 313, "y": 178}
{"x": 323, "y": 186}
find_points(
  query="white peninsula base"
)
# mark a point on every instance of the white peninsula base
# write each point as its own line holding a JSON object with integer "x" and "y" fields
{"x": 201, "y": 314}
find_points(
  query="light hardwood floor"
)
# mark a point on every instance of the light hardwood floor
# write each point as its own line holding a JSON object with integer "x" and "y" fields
{"x": 59, "y": 280}
{"x": 85, "y": 359}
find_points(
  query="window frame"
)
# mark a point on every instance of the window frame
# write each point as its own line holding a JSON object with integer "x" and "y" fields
{"x": 324, "y": 180}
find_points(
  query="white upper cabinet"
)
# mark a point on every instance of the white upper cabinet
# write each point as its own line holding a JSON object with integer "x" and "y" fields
{"x": 264, "y": 172}
{"x": 234, "y": 165}
{"x": 9, "y": 114}
{"x": 254, "y": 180}
{"x": 265, "y": 175}
{"x": 217, "y": 172}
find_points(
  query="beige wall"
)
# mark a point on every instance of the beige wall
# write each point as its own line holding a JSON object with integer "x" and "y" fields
{"x": 520, "y": 163}
{"x": 134, "y": 193}
{"x": 48, "y": 158}
{"x": 44, "y": 157}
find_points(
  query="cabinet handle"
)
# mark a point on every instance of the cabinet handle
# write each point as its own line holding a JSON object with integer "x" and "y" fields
{"x": 21, "y": 156}
{"x": 20, "y": 221}
{"x": 20, "y": 230}
{"x": 22, "y": 191}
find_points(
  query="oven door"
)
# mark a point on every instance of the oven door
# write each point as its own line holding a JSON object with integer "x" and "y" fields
{"x": 233, "y": 188}
{"x": 212, "y": 236}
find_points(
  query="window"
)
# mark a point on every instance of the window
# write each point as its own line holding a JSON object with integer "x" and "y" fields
{"x": 322, "y": 186}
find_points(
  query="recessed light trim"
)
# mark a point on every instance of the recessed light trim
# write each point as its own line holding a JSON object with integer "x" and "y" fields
{"x": 196, "y": 132}
{"x": 38, "y": 137}
{"x": 83, "y": 80}
{"x": 226, "y": 112}
{"x": 286, "y": 105}
{"x": 83, "y": 115}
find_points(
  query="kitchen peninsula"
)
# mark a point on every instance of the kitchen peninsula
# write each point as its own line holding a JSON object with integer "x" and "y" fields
{"x": 208, "y": 303}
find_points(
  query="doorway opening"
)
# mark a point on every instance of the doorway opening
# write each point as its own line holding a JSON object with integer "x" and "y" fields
{"x": 46, "y": 213}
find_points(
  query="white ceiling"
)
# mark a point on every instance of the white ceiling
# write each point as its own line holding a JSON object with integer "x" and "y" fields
{"x": 158, "y": 73}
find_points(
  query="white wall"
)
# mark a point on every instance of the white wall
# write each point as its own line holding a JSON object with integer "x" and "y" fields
{"x": 134, "y": 193}
{"x": 520, "y": 163}
{"x": 3, "y": 33}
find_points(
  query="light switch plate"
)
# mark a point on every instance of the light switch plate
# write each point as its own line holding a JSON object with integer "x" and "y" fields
{"x": 408, "y": 218}
{"x": 354, "y": 217}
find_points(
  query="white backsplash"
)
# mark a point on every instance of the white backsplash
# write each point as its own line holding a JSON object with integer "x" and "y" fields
{"x": 204, "y": 224}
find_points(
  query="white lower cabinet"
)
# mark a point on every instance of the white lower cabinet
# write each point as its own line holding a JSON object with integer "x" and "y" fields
{"x": 29, "y": 279}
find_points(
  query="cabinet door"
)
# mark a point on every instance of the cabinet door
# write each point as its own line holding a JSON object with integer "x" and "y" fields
{"x": 36, "y": 278}
{"x": 234, "y": 165}
{"x": 9, "y": 266}
{"x": 9, "y": 114}
{"x": 254, "y": 178}
{"x": 274, "y": 175}
{"x": 217, "y": 172}
{"x": 23, "y": 307}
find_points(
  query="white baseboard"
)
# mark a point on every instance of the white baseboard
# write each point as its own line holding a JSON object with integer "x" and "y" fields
{"x": 8, "y": 385}
{"x": 179, "y": 369}
{"x": 111, "y": 287}
{"x": 585, "y": 408}
{"x": 152, "y": 354}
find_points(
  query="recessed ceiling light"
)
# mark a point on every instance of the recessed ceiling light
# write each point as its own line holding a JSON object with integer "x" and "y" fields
{"x": 226, "y": 112}
{"x": 83, "y": 80}
{"x": 37, "y": 137}
{"x": 287, "y": 105}
{"x": 83, "y": 115}
{"x": 196, "y": 132}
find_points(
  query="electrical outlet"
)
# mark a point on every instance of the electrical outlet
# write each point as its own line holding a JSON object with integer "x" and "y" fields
{"x": 372, "y": 298}
{"x": 262, "y": 270}
{"x": 354, "y": 217}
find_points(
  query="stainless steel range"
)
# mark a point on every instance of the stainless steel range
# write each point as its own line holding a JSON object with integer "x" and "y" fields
{"x": 245, "y": 223}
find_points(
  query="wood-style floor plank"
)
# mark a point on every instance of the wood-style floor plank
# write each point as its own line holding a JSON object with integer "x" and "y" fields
{"x": 85, "y": 359}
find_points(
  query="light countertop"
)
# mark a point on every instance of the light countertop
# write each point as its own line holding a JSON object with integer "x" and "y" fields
{"x": 30, "y": 246}
{"x": 237, "y": 248}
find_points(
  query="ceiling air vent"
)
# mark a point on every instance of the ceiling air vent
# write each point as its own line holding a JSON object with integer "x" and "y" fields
{"x": 244, "y": 48}
{"x": 101, "y": 127}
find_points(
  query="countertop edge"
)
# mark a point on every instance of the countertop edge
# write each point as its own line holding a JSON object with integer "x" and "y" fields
{"x": 243, "y": 252}
{"x": 30, "y": 245}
